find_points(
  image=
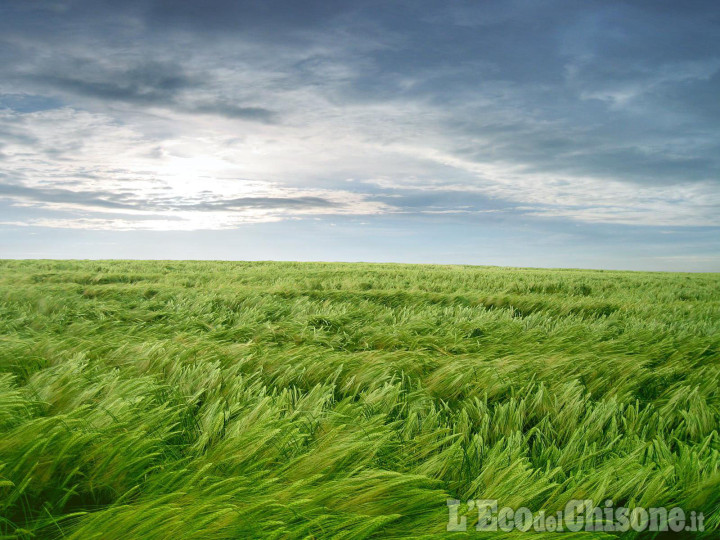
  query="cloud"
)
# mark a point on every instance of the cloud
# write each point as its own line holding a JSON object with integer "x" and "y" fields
{"x": 269, "y": 19}
{"x": 126, "y": 211}
{"x": 57, "y": 196}
{"x": 229, "y": 112}
{"x": 263, "y": 202}
{"x": 127, "y": 201}
{"x": 146, "y": 83}
{"x": 163, "y": 84}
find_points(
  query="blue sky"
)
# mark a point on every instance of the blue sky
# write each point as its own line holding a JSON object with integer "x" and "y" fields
{"x": 553, "y": 134}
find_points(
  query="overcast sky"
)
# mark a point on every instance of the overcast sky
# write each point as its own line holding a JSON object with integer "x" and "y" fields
{"x": 526, "y": 133}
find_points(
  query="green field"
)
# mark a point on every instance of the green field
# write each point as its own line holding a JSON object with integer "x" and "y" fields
{"x": 302, "y": 400}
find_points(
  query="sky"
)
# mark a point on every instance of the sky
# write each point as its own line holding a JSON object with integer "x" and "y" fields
{"x": 510, "y": 132}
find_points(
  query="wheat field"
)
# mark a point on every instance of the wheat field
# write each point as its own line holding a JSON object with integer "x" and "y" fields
{"x": 171, "y": 399}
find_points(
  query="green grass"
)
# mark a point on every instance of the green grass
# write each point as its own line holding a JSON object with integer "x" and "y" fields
{"x": 290, "y": 400}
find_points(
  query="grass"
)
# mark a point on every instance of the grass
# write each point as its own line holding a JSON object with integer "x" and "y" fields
{"x": 290, "y": 400}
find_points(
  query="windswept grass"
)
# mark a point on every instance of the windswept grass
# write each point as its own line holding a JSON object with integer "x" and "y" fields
{"x": 282, "y": 400}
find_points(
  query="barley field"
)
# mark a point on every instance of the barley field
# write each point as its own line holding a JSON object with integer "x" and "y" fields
{"x": 181, "y": 400}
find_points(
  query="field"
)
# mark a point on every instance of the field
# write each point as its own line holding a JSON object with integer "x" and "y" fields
{"x": 299, "y": 400}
